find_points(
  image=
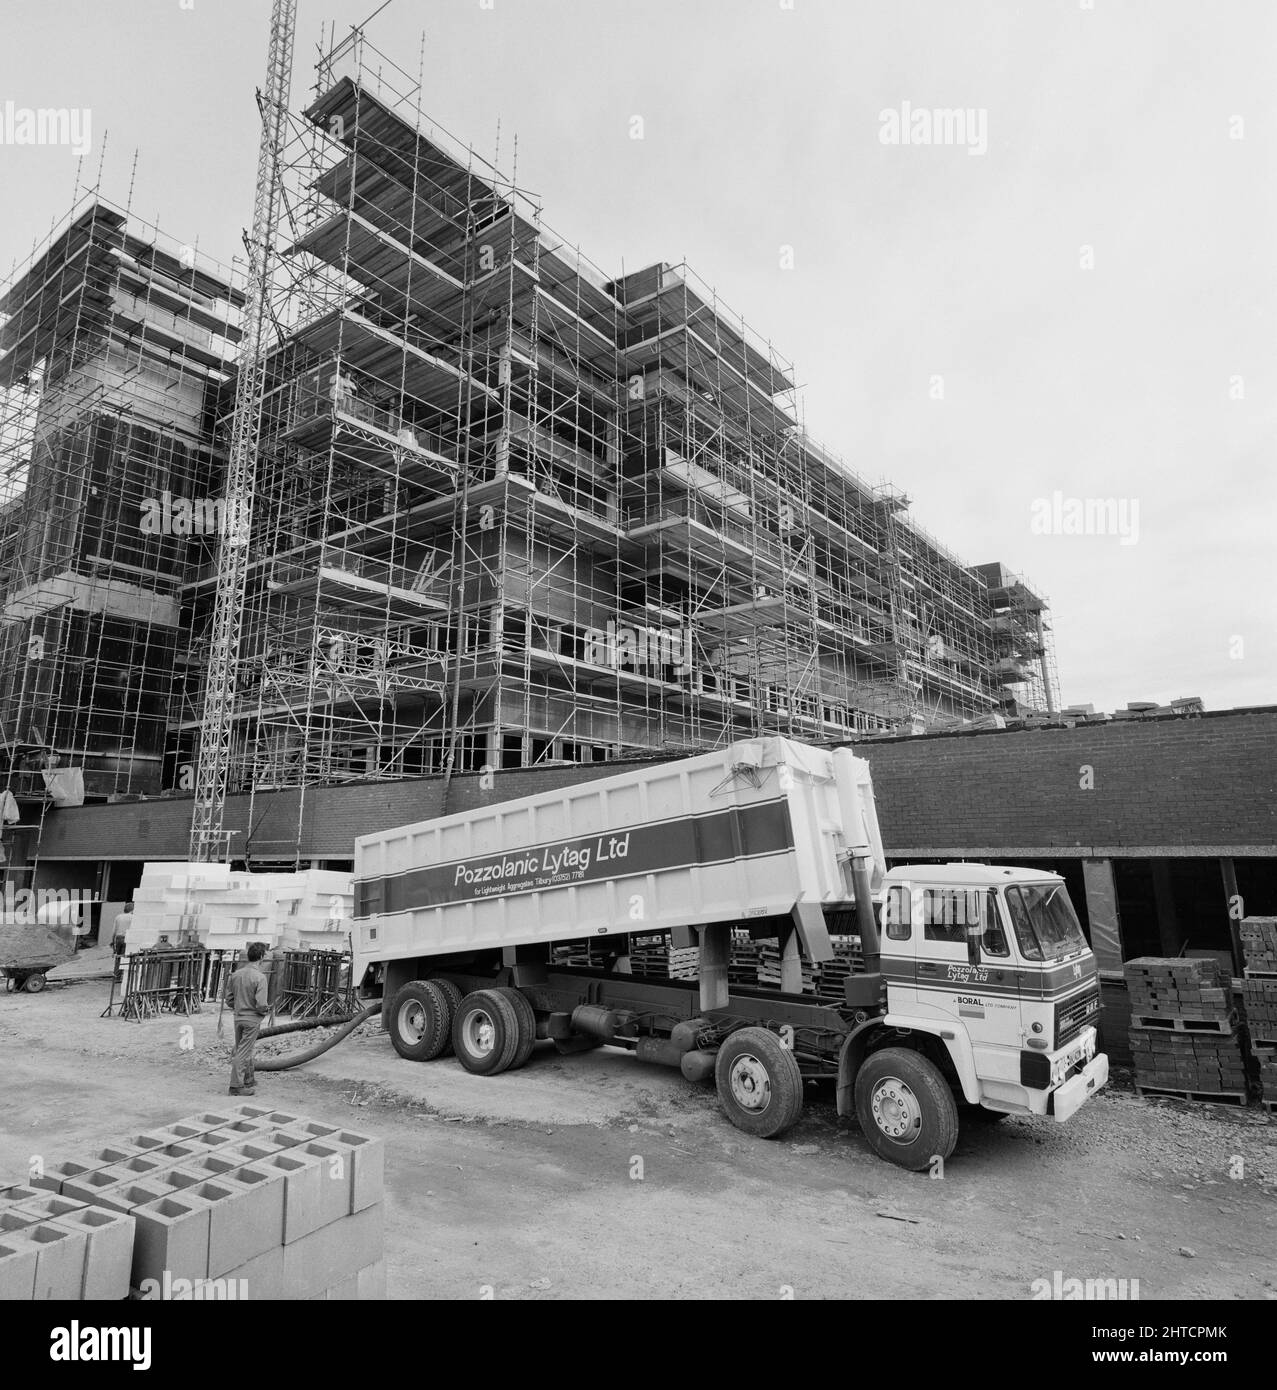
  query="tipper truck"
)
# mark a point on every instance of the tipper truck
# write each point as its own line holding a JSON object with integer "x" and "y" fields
{"x": 979, "y": 996}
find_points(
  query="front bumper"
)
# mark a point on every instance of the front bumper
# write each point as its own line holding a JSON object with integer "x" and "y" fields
{"x": 1069, "y": 1097}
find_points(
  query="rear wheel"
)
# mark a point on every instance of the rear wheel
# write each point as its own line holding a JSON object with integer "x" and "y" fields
{"x": 35, "y": 982}
{"x": 420, "y": 1018}
{"x": 486, "y": 1033}
{"x": 906, "y": 1110}
{"x": 454, "y": 996}
{"x": 759, "y": 1085}
{"x": 527, "y": 1024}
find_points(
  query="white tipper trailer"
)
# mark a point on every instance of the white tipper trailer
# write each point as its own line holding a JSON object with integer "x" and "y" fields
{"x": 979, "y": 994}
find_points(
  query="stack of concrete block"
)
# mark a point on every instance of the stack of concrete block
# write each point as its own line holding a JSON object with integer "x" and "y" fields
{"x": 229, "y": 911}
{"x": 314, "y": 910}
{"x": 1259, "y": 998}
{"x": 245, "y": 1203}
{"x": 1184, "y": 1037}
{"x": 54, "y": 1247}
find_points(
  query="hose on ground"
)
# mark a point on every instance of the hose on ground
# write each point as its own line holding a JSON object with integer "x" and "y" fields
{"x": 298, "y": 1025}
{"x": 296, "y": 1059}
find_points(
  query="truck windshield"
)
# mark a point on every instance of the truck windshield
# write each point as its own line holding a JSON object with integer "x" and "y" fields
{"x": 1045, "y": 924}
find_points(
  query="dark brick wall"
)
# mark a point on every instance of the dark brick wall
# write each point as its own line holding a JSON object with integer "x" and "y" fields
{"x": 1197, "y": 785}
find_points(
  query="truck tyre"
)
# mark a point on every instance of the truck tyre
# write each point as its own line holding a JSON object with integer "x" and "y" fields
{"x": 419, "y": 1019}
{"x": 485, "y": 1033}
{"x": 453, "y": 995}
{"x": 759, "y": 1085}
{"x": 906, "y": 1110}
{"x": 527, "y": 1024}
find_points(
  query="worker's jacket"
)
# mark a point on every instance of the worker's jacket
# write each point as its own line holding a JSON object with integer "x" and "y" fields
{"x": 246, "y": 993}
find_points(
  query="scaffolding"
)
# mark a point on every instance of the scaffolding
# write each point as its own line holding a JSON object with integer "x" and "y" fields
{"x": 1024, "y": 649}
{"x": 508, "y": 509}
{"x": 112, "y": 340}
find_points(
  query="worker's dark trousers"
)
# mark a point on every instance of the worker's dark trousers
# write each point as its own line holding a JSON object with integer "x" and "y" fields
{"x": 242, "y": 1058}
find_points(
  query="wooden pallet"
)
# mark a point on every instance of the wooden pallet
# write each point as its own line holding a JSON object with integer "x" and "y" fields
{"x": 1250, "y": 974}
{"x": 1213, "y": 1097}
{"x": 1169, "y": 1023}
{"x": 1270, "y": 1106}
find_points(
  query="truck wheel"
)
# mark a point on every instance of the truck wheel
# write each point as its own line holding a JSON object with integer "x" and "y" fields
{"x": 905, "y": 1107}
{"x": 485, "y": 1033}
{"x": 759, "y": 1085}
{"x": 453, "y": 995}
{"x": 35, "y": 982}
{"x": 419, "y": 1020}
{"x": 527, "y": 1024}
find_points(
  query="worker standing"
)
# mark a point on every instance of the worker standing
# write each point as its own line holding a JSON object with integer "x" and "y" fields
{"x": 120, "y": 930}
{"x": 247, "y": 994}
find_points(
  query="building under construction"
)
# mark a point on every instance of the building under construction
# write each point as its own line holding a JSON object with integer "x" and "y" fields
{"x": 508, "y": 509}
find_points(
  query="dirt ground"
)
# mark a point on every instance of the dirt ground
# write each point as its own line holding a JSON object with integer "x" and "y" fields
{"x": 598, "y": 1176}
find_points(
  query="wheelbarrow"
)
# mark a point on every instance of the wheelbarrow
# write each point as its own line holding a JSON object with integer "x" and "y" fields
{"x": 27, "y": 953}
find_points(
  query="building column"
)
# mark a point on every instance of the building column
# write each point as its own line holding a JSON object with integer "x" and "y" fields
{"x": 1231, "y": 898}
{"x": 1164, "y": 899}
{"x": 1101, "y": 908}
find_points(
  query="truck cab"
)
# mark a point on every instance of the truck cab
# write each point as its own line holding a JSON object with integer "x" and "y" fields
{"x": 992, "y": 962}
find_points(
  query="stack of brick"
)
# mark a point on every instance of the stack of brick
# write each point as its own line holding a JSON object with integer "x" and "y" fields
{"x": 1184, "y": 1036}
{"x": 831, "y": 975}
{"x": 1259, "y": 997}
{"x": 249, "y": 1203}
{"x": 655, "y": 957}
{"x": 1259, "y": 945}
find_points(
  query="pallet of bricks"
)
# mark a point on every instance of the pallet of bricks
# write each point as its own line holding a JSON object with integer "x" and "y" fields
{"x": 1185, "y": 1039}
{"x": 245, "y": 1203}
{"x": 1259, "y": 995}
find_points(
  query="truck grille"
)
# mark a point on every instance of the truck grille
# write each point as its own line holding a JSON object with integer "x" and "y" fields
{"x": 1072, "y": 1015}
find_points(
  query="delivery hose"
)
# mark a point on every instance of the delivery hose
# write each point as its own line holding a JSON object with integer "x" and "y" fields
{"x": 296, "y": 1059}
{"x": 298, "y": 1025}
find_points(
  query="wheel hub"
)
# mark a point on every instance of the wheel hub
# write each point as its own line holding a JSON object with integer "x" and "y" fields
{"x": 480, "y": 1033}
{"x": 895, "y": 1109}
{"x": 751, "y": 1086}
{"x": 412, "y": 1022}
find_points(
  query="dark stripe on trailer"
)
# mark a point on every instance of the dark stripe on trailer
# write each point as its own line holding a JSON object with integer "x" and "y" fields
{"x": 715, "y": 837}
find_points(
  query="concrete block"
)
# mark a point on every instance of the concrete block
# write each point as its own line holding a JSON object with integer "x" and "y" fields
{"x": 265, "y": 1112}
{"x": 20, "y": 1192}
{"x": 326, "y": 1256}
{"x": 344, "y": 1291}
{"x": 372, "y": 1281}
{"x": 89, "y": 1187}
{"x": 256, "y": 1150}
{"x": 213, "y": 1164}
{"x": 369, "y": 1155}
{"x": 117, "y": 1153}
{"x": 176, "y": 1155}
{"x": 127, "y": 1196}
{"x": 303, "y": 1209}
{"x": 55, "y": 1174}
{"x": 17, "y": 1270}
{"x": 336, "y": 1177}
{"x": 305, "y": 1130}
{"x": 172, "y": 1234}
{"x": 140, "y": 1165}
{"x": 209, "y": 1119}
{"x": 246, "y": 1218}
{"x": 109, "y": 1258}
{"x": 45, "y": 1208}
{"x": 60, "y": 1256}
{"x": 239, "y": 1131}
{"x": 263, "y": 1277}
{"x": 13, "y": 1219}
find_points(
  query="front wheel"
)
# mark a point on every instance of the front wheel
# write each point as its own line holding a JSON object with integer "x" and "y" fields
{"x": 905, "y": 1107}
{"x": 759, "y": 1085}
{"x": 34, "y": 982}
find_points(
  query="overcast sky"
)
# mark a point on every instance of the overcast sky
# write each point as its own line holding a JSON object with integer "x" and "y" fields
{"x": 1078, "y": 300}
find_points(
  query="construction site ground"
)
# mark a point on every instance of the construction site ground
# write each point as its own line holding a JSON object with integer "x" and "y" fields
{"x": 596, "y": 1176}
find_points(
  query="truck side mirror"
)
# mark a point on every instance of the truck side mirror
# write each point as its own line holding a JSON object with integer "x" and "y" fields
{"x": 974, "y": 932}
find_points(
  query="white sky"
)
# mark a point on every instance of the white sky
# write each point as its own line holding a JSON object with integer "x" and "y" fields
{"x": 1108, "y": 127}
